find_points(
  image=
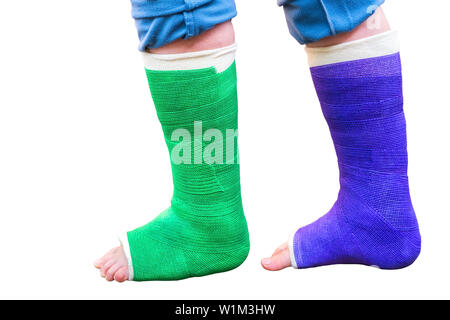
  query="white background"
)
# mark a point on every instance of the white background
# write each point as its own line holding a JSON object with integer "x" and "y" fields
{"x": 82, "y": 154}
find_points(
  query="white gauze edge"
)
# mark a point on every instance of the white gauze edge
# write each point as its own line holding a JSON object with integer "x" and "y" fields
{"x": 123, "y": 238}
{"x": 221, "y": 59}
{"x": 382, "y": 44}
{"x": 291, "y": 250}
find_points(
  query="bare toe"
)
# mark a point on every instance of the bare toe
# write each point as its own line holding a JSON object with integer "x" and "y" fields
{"x": 99, "y": 263}
{"x": 279, "y": 260}
{"x": 121, "y": 275}
{"x": 104, "y": 269}
{"x": 112, "y": 271}
{"x": 113, "y": 265}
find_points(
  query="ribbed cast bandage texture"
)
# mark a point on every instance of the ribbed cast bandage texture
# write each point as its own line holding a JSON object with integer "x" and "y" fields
{"x": 204, "y": 231}
{"x": 373, "y": 221}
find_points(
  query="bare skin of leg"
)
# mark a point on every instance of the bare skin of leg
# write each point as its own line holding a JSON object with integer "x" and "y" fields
{"x": 378, "y": 23}
{"x": 114, "y": 265}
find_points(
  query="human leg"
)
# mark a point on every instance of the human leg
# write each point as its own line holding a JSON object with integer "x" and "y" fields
{"x": 358, "y": 80}
{"x": 192, "y": 78}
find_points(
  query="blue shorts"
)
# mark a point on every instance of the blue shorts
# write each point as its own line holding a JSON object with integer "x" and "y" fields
{"x": 312, "y": 20}
{"x": 160, "y": 22}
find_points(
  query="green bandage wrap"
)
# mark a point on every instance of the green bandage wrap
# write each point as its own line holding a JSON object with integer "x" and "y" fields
{"x": 204, "y": 231}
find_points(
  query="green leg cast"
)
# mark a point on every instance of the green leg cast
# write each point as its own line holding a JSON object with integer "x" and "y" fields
{"x": 204, "y": 231}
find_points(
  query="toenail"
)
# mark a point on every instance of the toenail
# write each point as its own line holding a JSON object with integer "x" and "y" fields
{"x": 267, "y": 262}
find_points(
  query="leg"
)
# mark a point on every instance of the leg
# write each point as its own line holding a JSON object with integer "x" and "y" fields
{"x": 114, "y": 264}
{"x": 367, "y": 29}
{"x": 219, "y": 36}
{"x": 357, "y": 76}
{"x": 193, "y": 85}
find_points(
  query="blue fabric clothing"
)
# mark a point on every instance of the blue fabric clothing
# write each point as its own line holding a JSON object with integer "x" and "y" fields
{"x": 311, "y": 20}
{"x": 160, "y": 22}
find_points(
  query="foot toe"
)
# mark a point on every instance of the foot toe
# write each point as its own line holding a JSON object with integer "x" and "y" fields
{"x": 99, "y": 263}
{"x": 113, "y": 262}
{"x": 278, "y": 261}
{"x": 121, "y": 275}
{"x": 112, "y": 271}
{"x": 104, "y": 270}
